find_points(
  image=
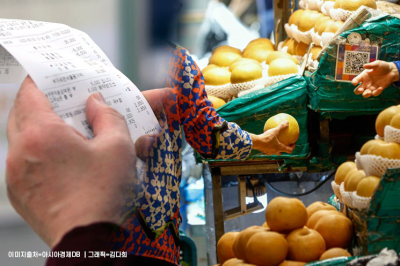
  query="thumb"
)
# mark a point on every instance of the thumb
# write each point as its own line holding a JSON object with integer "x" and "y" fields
{"x": 373, "y": 65}
{"x": 155, "y": 98}
{"x": 145, "y": 144}
{"x": 357, "y": 80}
{"x": 104, "y": 119}
{"x": 282, "y": 126}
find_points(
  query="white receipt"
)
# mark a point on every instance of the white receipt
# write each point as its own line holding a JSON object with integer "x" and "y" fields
{"x": 68, "y": 66}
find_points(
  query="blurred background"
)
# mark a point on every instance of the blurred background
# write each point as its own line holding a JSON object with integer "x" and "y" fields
{"x": 119, "y": 27}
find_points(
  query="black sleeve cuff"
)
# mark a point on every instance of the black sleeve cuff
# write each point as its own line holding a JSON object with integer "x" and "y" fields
{"x": 397, "y": 83}
{"x": 83, "y": 239}
{"x": 215, "y": 136}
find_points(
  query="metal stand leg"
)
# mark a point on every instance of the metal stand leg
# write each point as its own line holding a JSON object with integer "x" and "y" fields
{"x": 242, "y": 194}
{"x": 243, "y": 208}
{"x": 218, "y": 206}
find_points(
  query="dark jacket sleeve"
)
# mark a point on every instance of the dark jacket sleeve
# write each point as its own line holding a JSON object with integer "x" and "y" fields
{"x": 87, "y": 245}
{"x": 398, "y": 68}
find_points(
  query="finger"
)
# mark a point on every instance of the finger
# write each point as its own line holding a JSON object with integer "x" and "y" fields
{"x": 377, "y": 92}
{"x": 144, "y": 144}
{"x": 287, "y": 149}
{"x": 282, "y": 126}
{"x": 373, "y": 65}
{"x": 359, "y": 90}
{"x": 12, "y": 127}
{"x": 357, "y": 80}
{"x": 367, "y": 93}
{"x": 104, "y": 120}
{"x": 30, "y": 103}
{"x": 155, "y": 99}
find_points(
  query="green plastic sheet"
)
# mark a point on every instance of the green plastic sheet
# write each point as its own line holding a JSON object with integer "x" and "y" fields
{"x": 379, "y": 226}
{"x": 332, "y": 262}
{"x": 251, "y": 112}
{"x": 337, "y": 99}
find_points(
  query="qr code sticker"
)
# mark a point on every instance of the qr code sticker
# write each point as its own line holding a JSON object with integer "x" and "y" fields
{"x": 354, "y": 62}
{"x": 351, "y": 59}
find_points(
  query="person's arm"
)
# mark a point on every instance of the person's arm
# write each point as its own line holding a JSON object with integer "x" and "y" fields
{"x": 208, "y": 133}
{"x": 376, "y": 77}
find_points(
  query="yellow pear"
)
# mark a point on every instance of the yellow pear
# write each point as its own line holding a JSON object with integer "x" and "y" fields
{"x": 288, "y": 136}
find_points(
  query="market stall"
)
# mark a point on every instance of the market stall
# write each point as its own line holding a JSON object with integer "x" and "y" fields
{"x": 308, "y": 77}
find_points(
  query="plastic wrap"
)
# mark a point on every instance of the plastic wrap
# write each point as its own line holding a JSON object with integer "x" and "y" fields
{"x": 389, "y": 6}
{"x": 288, "y": 30}
{"x": 360, "y": 203}
{"x": 392, "y": 134}
{"x": 295, "y": 32}
{"x": 336, "y": 190}
{"x": 326, "y": 7}
{"x": 377, "y": 165}
{"x": 339, "y": 14}
{"x": 237, "y": 88}
{"x": 316, "y": 38}
{"x": 266, "y": 82}
{"x": 281, "y": 47}
{"x": 326, "y": 37}
{"x": 303, "y": 4}
{"x": 358, "y": 161}
{"x": 313, "y": 4}
{"x": 301, "y": 36}
{"x": 346, "y": 196}
{"x": 223, "y": 92}
{"x": 320, "y": 3}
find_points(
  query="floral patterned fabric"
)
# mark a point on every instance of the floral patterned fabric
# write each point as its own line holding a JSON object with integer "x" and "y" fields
{"x": 151, "y": 226}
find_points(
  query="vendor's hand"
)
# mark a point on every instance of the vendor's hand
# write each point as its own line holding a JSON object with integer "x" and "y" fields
{"x": 56, "y": 178}
{"x": 376, "y": 77}
{"x": 269, "y": 143}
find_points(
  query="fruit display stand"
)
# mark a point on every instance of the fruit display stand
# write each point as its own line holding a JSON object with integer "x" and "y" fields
{"x": 250, "y": 112}
{"x": 320, "y": 99}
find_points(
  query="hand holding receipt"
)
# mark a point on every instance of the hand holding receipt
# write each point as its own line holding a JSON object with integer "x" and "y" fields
{"x": 56, "y": 178}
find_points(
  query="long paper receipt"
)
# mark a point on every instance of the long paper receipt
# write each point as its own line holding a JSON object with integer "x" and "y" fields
{"x": 68, "y": 66}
